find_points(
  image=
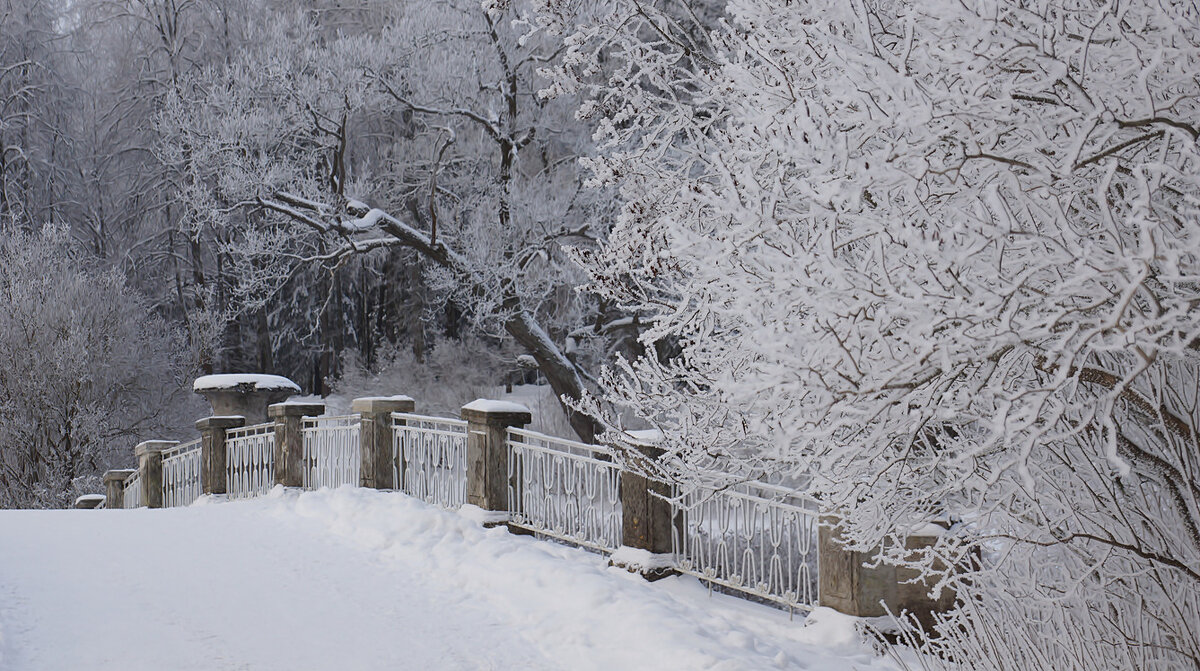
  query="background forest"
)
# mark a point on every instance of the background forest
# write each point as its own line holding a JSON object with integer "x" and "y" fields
{"x": 214, "y": 157}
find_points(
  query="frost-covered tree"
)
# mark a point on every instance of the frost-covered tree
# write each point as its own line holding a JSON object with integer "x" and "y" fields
{"x": 33, "y": 102}
{"x": 934, "y": 259}
{"x": 85, "y": 370}
{"x": 422, "y": 139}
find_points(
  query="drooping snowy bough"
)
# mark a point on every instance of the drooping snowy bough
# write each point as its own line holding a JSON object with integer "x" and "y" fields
{"x": 939, "y": 259}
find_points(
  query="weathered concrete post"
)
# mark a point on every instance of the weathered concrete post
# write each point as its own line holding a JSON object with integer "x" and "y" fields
{"x": 289, "y": 440}
{"x": 378, "y": 466}
{"x": 846, "y": 585}
{"x": 114, "y": 487}
{"x": 647, "y": 520}
{"x": 214, "y": 474}
{"x": 150, "y": 469}
{"x": 487, "y": 453}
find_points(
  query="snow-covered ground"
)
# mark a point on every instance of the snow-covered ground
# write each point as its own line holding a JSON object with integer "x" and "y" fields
{"x": 355, "y": 579}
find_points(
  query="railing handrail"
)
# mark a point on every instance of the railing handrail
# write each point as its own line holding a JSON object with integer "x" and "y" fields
{"x": 774, "y": 494}
{"x": 310, "y": 422}
{"x": 178, "y": 450}
{"x": 252, "y": 430}
{"x": 411, "y": 417}
{"x": 551, "y": 451}
{"x": 525, "y": 434}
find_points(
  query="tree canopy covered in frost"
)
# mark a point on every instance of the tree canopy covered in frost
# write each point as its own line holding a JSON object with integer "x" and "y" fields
{"x": 84, "y": 370}
{"x": 423, "y": 136}
{"x": 936, "y": 259}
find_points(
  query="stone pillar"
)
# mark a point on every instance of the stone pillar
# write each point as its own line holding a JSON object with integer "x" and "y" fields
{"x": 376, "y": 439}
{"x": 847, "y": 586}
{"x": 149, "y": 456}
{"x": 289, "y": 441}
{"x": 244, "y": 394}
{"x": 487, "y": 453}
{"x": 647, "y": 519}
{"x": 214, "y": 474}
{"x": 114, "y": 487}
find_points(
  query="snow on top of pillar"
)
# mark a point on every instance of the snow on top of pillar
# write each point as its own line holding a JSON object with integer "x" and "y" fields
{"x": 255, "y": 381}
{"x": 485, "y": 405}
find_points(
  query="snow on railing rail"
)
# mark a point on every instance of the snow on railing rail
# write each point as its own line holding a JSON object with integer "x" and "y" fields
{"x": 181, "y": 474}
{"x": 250, "y": 460}
{"x": 754, "y": 538}
{"x": 564, "y": 489}
{"x": 429, "y": 457}
{"x": 132, "y": 497}
{"x": 332, "y": 451}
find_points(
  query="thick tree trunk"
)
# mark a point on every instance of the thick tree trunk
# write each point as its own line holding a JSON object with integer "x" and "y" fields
{"x": 563, "y": 375}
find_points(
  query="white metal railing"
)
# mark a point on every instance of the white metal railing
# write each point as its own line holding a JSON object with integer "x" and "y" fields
{"x": 754, "y": 538}
{"x": 564, "y": 489}
{"x": 429, "y": 457}
{"x": 181, "y": 474}
{"x": 132, "y": 497}
{"x": 250, "y": 460}
{"x": 332, "y": 451}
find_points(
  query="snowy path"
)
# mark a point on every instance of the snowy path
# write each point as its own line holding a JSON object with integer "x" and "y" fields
{"x": 354, "y": 579}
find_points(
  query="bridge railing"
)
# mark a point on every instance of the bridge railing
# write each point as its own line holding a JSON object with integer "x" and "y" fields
{"x": 751, "y": 537}
{"x": 429, "y": 457}
{"x": 132, "y": 497}
{"x": 181, "y": 474}
{"x": 564, "y": 489}
{"x": 332, "y": 451}
{"x": 250, "y": 460}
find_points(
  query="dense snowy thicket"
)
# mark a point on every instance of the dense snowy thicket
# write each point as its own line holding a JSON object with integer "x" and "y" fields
{"x": 940, "y": 259}
{"x": 85, "y": 371}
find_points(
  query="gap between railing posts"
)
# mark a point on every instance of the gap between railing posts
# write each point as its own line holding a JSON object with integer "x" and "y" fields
{"x": 132, "y": 497}
{"x": 430, "y": 456}
{"x": 487, "y": 455}
{"x": 332, "y": 451}
{"x": 250, "y": 460}
{"x": 182, "y": 465}
{"x": 289, "y": 439}
{"x": 564, "y": 489}
{"x": 379, "y": 469}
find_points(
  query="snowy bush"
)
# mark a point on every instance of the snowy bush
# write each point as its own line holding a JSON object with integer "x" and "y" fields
{"x": 85, "y": 371}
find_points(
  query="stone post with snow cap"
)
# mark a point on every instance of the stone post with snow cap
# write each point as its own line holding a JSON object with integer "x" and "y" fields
{"x": 214, "y": 471}
{"x": 88, "y": 501}
{"x": 150, "y": 470}
{"x": 379, "y": 468}
{"x": 647, "y": 518}
{"x": 244, "y": 394}
{"x": 114, "y": 487}
{"x": 487, "y": 453}
{"x": 289, "y": 439}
